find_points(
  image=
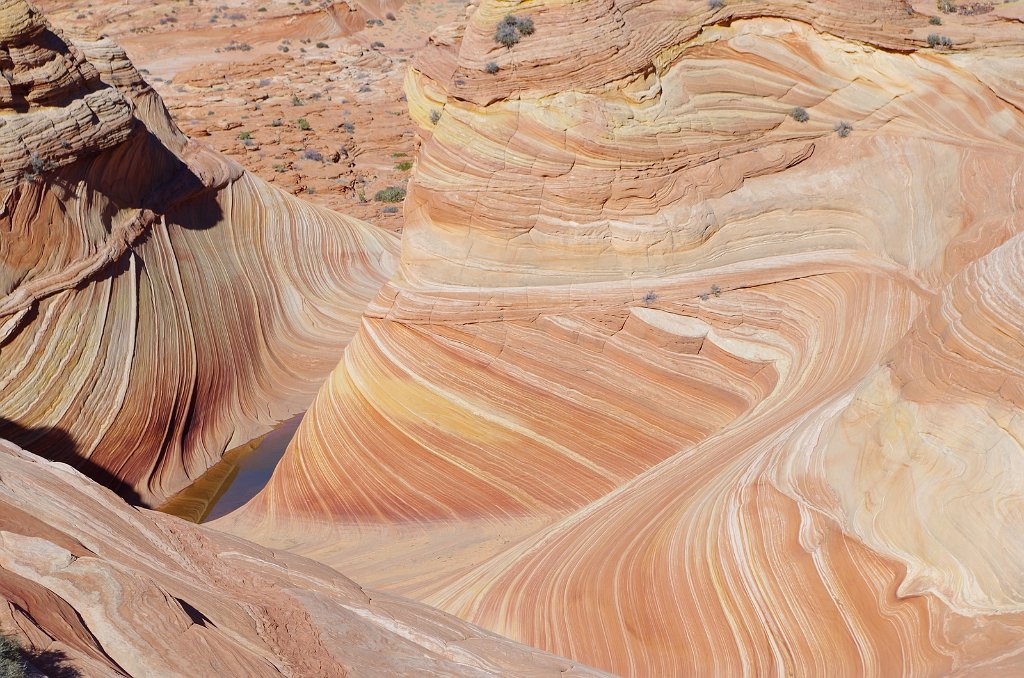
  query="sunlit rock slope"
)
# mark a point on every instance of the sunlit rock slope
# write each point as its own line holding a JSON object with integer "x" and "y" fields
{"x": 674, "y": 383}
{"x": 95, "y": 587}
{"x": 158, "y": 305}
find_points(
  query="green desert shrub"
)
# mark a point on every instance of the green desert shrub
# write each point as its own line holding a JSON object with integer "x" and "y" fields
{"x": 404, "y": 166}
{"x": 390, "y": 194}
{"x": 12, "y": 658}
{"x": 303, "y": 124}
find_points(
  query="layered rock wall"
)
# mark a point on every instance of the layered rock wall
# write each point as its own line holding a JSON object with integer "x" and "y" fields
{"x": 670, "y": 381}
{"x": 158, "y": 305}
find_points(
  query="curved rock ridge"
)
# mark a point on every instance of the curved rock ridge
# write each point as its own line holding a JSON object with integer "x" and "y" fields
{"x": 924, "y": 463}
{"x": 107, "y": 590}
{"x": 585, "y": 44}
{"x": 673, "y": 383}
{"x": 158, "y": 305}
{"x": 680, "y": 138}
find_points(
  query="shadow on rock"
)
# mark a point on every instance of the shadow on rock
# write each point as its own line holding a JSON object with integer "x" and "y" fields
{"x": 56, "y": 445}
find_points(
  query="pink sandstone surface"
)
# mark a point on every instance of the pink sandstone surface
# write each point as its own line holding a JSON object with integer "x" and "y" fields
{"x": 158, "y": 304}
{"x": 673, "y": 383}
{"x": 104, "y": 589}
{"x": 661, "y": 378}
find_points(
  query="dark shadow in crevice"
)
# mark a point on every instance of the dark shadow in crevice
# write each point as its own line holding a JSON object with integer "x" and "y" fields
{"x": 195, "y": 615}
{"x": 56, "y": 445}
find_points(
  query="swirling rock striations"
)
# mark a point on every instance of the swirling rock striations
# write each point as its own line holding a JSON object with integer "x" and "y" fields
{"x": 158, "y": 305}
{"x": 98, "y": 588}
{"x": 673, "y": 383}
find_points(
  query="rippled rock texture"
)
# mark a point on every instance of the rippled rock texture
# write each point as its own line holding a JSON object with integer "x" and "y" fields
{"x": 673, "y": 383}
{"x": 98, "y": 588}
{"x": 158, "y": 305}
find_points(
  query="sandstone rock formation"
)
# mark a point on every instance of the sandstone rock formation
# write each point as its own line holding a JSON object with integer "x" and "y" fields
{"x": 102, "y": 589}
{"x": 158, "y": 305}
{"x": 672, "y": 383}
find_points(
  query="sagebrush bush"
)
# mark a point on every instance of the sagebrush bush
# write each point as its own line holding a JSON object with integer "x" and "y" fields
{"x": 491, "y": 67}
{"x": 843, "y": 128}
{"x": 12, "y": 658}
{"x": 435, "y": 116}
{"x": 506, "y": 35}
{"x": 36, "y": 165}
{"x": 390, "y": 194}
{"x": 936, "y": 40}
{"x": 512, "y": 29}
{"x": 799, "y": 114}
